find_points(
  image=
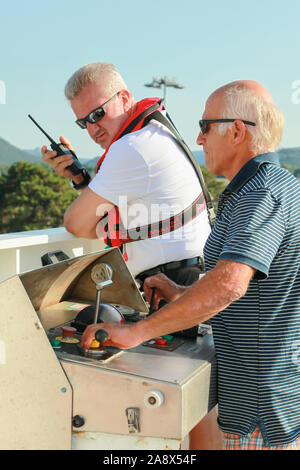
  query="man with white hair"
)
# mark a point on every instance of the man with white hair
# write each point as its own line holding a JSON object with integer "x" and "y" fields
{"x": 146, "y": 183}
{"x": 250, "y": 292}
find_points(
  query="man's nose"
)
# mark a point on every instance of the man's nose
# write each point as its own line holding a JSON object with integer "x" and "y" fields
{"x": 92, "y": 128}
{"x": 200, "y": 139}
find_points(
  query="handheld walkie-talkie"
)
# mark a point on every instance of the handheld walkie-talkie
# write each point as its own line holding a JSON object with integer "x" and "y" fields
{"x": 76, "y": 168}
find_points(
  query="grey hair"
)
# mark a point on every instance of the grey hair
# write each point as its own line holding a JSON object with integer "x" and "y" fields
{"x": 242, "y": 103}
{"x": 102, "y": 73}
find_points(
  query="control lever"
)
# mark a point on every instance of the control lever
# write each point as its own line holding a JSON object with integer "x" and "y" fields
{"x": 100, "y": 286}
{"x": 101, "y": 336}
{"x": 102, "y": 276}
{"x": 152, "y": 301}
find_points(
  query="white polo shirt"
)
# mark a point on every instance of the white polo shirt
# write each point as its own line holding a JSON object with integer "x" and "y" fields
{"x": 150, "y": 178}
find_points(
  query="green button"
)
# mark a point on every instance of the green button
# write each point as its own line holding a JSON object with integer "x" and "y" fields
{"x": 55, "y": 343}
{"x": 169, "y": 338}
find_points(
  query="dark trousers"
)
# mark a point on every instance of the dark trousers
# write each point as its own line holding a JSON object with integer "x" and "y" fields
{"x": 184, "y": 276}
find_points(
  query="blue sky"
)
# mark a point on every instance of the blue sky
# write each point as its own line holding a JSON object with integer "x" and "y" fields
{"x": 204, "y": 45}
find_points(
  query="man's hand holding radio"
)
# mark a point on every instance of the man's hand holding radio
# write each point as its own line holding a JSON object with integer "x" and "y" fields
{"x": 60, "y": 163}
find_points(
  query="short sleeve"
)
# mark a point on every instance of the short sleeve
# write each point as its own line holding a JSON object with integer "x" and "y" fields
{"x": 123, "y": 174}
{"x": 256, "y": 231}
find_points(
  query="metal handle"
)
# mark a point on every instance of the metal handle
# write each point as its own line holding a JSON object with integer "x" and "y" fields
{"x": 101, "y": 336}
{"x": 100, "y": 286}
{"x": 152, "y": 301}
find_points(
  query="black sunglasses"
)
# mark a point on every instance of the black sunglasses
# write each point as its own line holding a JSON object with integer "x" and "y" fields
{"x": 95, "y": 115}
{"x": 205, "y": 123}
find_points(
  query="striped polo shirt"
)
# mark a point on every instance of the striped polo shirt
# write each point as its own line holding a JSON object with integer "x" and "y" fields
{"x": 257, "y": 338}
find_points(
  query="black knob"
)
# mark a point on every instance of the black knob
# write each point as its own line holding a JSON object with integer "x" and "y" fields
{"x": 101, "y": 336}
{"x": 78, "y": 421}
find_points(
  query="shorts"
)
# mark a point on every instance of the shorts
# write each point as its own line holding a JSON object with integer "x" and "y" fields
{"x": 254, "y": 441}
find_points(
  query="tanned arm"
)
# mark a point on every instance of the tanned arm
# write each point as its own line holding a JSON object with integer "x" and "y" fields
{"x": 221, "y": 286}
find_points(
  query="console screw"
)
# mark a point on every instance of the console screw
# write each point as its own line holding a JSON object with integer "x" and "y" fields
{"x": 78, "y": 421}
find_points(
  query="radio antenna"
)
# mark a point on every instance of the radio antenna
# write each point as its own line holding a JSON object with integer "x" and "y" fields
{"x": 44, "y": 132}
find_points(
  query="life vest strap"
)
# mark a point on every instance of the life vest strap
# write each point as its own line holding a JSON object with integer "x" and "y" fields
{"x": 159, "y": 228}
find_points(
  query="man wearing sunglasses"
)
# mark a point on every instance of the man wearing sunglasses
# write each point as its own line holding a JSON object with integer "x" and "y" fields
{"x": 250, "y": 292}
{"x": 142, "y": 176}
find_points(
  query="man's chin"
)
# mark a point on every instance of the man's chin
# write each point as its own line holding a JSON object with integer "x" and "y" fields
{"x": 104, "y": 143}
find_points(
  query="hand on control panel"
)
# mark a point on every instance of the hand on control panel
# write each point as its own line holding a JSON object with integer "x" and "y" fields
{"x": 165, "y": 289}
{"x": 120, "y": 336}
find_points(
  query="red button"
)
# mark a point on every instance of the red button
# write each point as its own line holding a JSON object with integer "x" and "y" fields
{"x": 68, "y": 331}
{"x": 161, "y": 341}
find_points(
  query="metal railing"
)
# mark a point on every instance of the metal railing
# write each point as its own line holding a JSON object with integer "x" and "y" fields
{"x": 22, "y": 251}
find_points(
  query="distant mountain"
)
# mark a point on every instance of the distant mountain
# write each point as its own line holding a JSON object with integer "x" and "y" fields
{"x": 199, "y": 156}
{"x": 92, "y": 161}
{"x": 10, "y": 154}
{"x": 36, "y": 152}
{"x": 289, "y": 156}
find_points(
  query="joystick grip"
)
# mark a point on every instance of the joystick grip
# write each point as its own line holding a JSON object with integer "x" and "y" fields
{"x": 101, "y": 336}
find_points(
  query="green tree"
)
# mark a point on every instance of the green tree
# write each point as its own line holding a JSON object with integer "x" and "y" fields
{"x": 214, "y": 185}
{"x": 32, "y": 198}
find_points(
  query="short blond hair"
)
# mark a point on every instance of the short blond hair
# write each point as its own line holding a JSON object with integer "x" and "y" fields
{"x": 103, "y": 73}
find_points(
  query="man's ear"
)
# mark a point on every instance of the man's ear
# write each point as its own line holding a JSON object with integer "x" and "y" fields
{"x": 238, "y": 132}
{"x": 126, "y": 99}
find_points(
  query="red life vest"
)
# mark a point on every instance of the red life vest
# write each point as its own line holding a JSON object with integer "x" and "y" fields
{"x": 110, "y": 227}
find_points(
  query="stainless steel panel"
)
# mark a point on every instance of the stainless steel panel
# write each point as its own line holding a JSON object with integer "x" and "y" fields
{"x": 103, "y": 392}
{"x": 180, "y": 383}
{"x": 36, "y": 396}
{"x": 52, "y": 284}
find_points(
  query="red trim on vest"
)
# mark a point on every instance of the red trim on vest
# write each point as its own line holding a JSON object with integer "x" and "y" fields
{"x": 141, "y": 106}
